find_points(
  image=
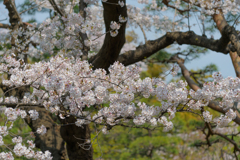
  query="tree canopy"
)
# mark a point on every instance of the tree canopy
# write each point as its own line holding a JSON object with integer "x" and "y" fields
{"x": 84, "y": 72}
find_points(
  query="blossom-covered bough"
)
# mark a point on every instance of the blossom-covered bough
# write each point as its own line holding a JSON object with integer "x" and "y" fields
{"x": 104, "y": 89}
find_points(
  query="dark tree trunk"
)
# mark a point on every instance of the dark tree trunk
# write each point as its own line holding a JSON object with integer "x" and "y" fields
{"x": 112, "y": 46}
{"x": 77, "y": 139}
{"x": 52, "y": 140}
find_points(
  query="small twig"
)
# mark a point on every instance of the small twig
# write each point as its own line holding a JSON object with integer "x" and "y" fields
{"x": 54, "y": 5}
{"x": 235, "y": 20}
{"x": 144, "y": 34}
{"x": 31, "y": 8}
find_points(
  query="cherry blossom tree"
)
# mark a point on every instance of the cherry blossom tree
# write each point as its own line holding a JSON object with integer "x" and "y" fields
{"x": 89, "y": 80}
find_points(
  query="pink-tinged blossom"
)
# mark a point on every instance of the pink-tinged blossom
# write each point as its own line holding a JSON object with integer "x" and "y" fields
{"x": 114, "y": 33}
{"x": 3, "y": 130}
{"x": 73, "y": 84}
{"x": 42, "y": 130}
{"x": 139, "y": 120}
{"x": 31, "y": 144}
{"x": 153, "y": 121}
{"x": 54, "y": 109}
{"x": 88, "y": 43}
{"x": 122, "y": 19}
{"x": 231, "y": 114}
{"x": 23, "y": 114}
{"x": 61, "y": 116}
{"x": 80, "y": 122}
{"x": 19, "y": 149}
{"x": 1, "y": 141}
{"x": 29, "y": 153}
{"x": 47, "y": 155}
{"x": 40, "y": 155}
{"x": 11, "y": 114}
{"x": 223, "y": 121}
{"x": 217, "y": 76}
{"x": 33, "y": 114}
{"x": 6, "y": 156}
{"x": 121, "y": 3}
{"x": 168, "y": 126}
{"x": 104, "y": 130}
{"x": 100, "y": 92}
{"x": 207, "y": 116}
{"x": 114, "y": 25}
{"x": 17, "y": 139}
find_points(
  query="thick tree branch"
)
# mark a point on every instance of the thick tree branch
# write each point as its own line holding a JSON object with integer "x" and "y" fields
{"x": 236, "y": 62}
{"x": 112, "y": 46}
{"x": 151, "y": 47}
{"x": 14, "y": 17}
{"x": 13, "y": 14}
{"x": 5, "y": 26}
{"x": 227, "y": 31}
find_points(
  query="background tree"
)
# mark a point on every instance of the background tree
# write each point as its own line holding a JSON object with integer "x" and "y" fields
{"x": 73, "y": 30}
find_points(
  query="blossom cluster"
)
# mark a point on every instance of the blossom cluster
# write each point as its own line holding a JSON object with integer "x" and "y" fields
{"x": 83, "y": 87}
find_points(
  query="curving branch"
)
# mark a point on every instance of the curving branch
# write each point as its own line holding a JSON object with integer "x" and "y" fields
{"x": 213, "y": 105}
{"x": 227, "y": 31}
{"x": 222, "y": 26}
{"x": 211, "y": 132}
{"x": 151, "y": 47}
{"x": 144, "y": 34}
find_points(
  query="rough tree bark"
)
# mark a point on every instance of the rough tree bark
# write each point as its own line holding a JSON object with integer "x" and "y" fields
{"x": 77, "y": 139}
